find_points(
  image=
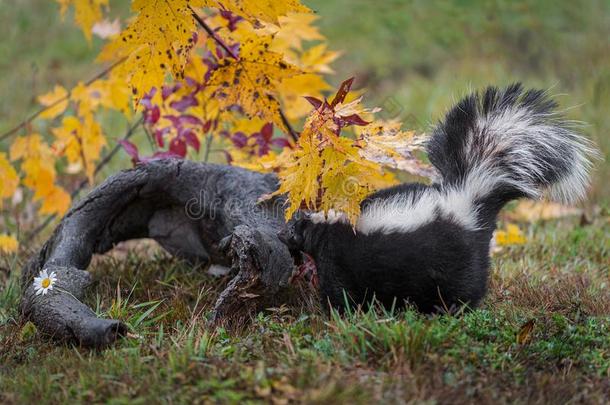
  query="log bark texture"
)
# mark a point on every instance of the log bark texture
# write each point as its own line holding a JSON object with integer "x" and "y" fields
{"x": 203, "y": 213}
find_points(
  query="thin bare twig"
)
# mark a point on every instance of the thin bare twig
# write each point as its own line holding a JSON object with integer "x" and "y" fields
{"x": 291, "y": 131}
{"x": 32, "y": 117}
{"x": 211, "y": 33}
{"x": 130, "y": 131}
{"x": 208, "y": 147}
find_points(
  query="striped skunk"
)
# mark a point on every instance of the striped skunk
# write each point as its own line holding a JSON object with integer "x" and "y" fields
{"x": 428, "y": 246}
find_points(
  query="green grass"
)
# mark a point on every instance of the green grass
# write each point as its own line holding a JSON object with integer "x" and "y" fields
{"x": 415, "y": 58}
{"x": 559, "y": 279}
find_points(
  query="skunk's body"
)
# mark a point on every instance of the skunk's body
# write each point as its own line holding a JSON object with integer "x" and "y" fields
{"x": 429, "y": 245}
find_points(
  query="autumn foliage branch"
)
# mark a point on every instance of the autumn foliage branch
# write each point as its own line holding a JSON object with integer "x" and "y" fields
{"x": 240, "y": 73}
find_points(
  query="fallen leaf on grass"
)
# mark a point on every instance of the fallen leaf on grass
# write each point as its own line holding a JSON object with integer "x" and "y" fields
{"x": 525, "y": 333}
{"x": 512, "y": 235}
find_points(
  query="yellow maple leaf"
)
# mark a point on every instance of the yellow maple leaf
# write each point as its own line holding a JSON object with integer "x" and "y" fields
{"x": 317, "y": 59}
{"x": 39, "y": 177}
{"x": 354, "y": 107}
{"x": 8, "y": 244}
{"x": 384, "y": 142}
{"x": 57, "y": 201}
{"x": 38, "y": 164}
{"x": 326, "y": 171}
{"x": 9, "y": 180}
{"x": 344, "y": 179}
{"x": 258, "y": 11}
{"x": 326, "y": 176}
{"x": 293, "y": 30}
{"x": 299, "y": 176}
{"x": 68, "y": 139}
{"x": 87, "y": 98}
{"x": 86, "y": 13}
{"x": 115, "y": 94}
{"x": 158, "y": 41}
{"x": 293, "y": 89}
{"x": 81, "y": 140}
{"x": 251, "y": 161}
{"x": 30, "y": 146}
{"x": 251, "y": 81}
{"x": 512, "y": 235}
{"x": 56, "y": 101}
{"x": 246, "y": 125}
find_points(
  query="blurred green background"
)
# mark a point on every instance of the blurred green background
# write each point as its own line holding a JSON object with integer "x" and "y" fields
{"x": 415, "y": 58}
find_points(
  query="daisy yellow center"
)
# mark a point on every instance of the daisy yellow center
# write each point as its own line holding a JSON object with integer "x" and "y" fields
{"x": 46, "y": 282}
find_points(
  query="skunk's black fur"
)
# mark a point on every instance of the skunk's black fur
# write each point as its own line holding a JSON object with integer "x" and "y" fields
{"x": 429, "y": 245}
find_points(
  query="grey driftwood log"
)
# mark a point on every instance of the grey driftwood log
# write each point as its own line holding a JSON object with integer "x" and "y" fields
{"x": 204, "y": 213}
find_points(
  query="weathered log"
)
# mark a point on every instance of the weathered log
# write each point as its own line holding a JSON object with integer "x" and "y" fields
{"x": 204, "y": 213}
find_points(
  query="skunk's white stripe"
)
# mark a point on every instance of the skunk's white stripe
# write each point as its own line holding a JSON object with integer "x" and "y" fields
{"x": 399, "y": 213}
{"x": 330, "y": 218}
{"x": 406, "y": 213}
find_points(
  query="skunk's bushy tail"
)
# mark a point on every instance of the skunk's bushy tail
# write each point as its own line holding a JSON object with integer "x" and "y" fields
{"x": 504, "y": 144}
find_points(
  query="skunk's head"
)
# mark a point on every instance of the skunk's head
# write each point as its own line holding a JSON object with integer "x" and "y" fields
{"x": 294, "y": 234}
{"x": 312, "y": 232}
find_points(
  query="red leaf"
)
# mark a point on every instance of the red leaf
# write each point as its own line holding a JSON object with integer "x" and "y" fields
{"x": 354, "y": 119}
{"x": 131, "y": 149}
{"x": 342, "y": 92}
{"x": 146, "y": 101}
{"x": 152, "y": 115}
{"x": 239, "y": 139}
{"x": 231, "y": 18}
{"x": 190, "y": 82}
{"x": 281, "y": 143}
{"x": 316, "y": 103}
{"x": 191, "y": 139}
{"x": 267, "y": 131}
{"x": 178, "y": 147}
{"x": 161, "y": 155}
{"x": 228, "y": 157}
{"x": 159, "y": 134}
{"x": 185, "y": 102}
{"x": 166, "y": 90}
{"x": 179, "y": 121}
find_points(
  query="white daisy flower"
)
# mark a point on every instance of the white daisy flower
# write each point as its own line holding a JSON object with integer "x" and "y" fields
{"x": 44, "y": 282}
